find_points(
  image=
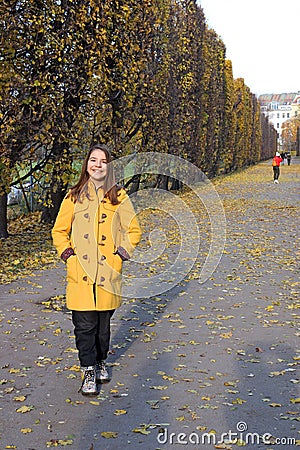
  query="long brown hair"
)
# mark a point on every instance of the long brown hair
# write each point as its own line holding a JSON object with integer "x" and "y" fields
{"x": 110, "y": 188}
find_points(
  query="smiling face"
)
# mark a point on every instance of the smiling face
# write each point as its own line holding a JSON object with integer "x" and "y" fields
{"x": 97, "y": 167}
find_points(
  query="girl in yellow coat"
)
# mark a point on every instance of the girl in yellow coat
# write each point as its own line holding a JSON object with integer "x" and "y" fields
{"x": 95, "y": 231}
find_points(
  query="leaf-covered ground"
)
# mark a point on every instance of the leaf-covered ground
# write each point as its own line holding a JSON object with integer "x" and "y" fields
{"x": 205, "y": 365}
{"x": 28, "y": 248}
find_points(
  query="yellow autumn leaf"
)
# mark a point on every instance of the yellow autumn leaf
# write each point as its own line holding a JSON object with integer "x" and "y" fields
{"x": 295, "y": 400}
{"x": 21, "y": 398}
{"x": 109, "y": 434}
{"x": 226, "y": 317}
{"x": 70, "y": 350}
{"x": 75, "y": 368}
{"x": 59, "y": 442}
{"x": 269, "y": 308}
{"x": 26, "y": 430}
{"x": 12, "y": 370}
{"x": 276, "y": 373}
{"x": 9, "y": 390}
{"x": 159, "y": 388}
{"x": 223, "y": 446}
{"x": 239, "y": 401}
{"x": 25, "y": 409}
{"x": 226, "y": 335}
{"x": 93, "y": 402}
{"x": 275, "y": 405}
{"x": 142, "y": 430}
{"x": 119, "y": 412}
{"x": 167, "y": 377}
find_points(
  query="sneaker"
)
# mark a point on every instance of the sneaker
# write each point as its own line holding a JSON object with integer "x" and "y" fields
{"x": 102, "y": 375}
{"x": 89, "y": 386}
{"x": 276, "y": 181}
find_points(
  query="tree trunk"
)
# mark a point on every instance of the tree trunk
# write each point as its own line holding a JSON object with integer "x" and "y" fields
{"x": 134, "y": 184}
{"x": 3, "y": 217}
{"x": 58, "y": 187}
{"x": 54, "y": 197}
{"x": 162, "y": 182}
{"x": 176, "y": 184}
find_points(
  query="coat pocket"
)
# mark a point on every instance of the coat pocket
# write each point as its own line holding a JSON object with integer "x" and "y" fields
{"x": 116, "y": 267}
{"x": 72, "y": 269}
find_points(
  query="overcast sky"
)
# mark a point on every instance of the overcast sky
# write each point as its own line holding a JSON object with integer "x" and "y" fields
{"x": 262, "y": 39}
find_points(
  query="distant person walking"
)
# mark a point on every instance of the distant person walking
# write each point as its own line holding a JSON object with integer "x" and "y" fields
{"x": 95, "y": 231}
{"x": 289, "y": 157}
{"x": 276, "y": 166}
{"x": 283, "y": 157}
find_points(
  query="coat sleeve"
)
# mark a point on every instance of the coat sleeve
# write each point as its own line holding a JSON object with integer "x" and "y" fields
{"x": 63, "y": 225}
{"x": 130, "y": 229}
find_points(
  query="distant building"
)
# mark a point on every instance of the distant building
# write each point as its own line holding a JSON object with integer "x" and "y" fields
{"x": 279, "y": 108}
{"x": 296, "y": 106}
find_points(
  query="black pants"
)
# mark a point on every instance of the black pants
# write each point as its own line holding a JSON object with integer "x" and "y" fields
{"x": 276, "y": 171}
{"x": 92, "y": 335}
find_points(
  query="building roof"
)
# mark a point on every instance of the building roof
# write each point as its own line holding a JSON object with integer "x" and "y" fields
{"x": 296, "y": 100}
{"x": 281, "y": 99}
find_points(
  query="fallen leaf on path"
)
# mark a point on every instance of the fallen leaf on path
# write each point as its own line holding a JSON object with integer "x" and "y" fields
{"x": 25, "y": 409}
{"x": 109, "y": 434}
{"x": 120, "y": 412}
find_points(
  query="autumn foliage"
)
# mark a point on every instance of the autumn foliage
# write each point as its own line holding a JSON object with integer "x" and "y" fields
{"x": 139, "y": 76}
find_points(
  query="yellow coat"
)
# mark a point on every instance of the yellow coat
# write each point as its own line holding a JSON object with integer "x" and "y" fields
{"x": 95, "y": 228}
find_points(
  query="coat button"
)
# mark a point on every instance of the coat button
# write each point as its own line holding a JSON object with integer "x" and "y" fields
{"x": 102, "y": 279}
{"x": 103, "y": 216}
{"x": 86, "y": 215}
{"x": 84, "y": 278}
{"x": 86, "y": 236}
{"x": 102, "y": 259}
{"x": 102, "y": 239}
{"x": 85, "y": 257}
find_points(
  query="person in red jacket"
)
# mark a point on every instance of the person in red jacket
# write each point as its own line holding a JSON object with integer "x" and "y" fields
{"x": 276, "y": 166}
